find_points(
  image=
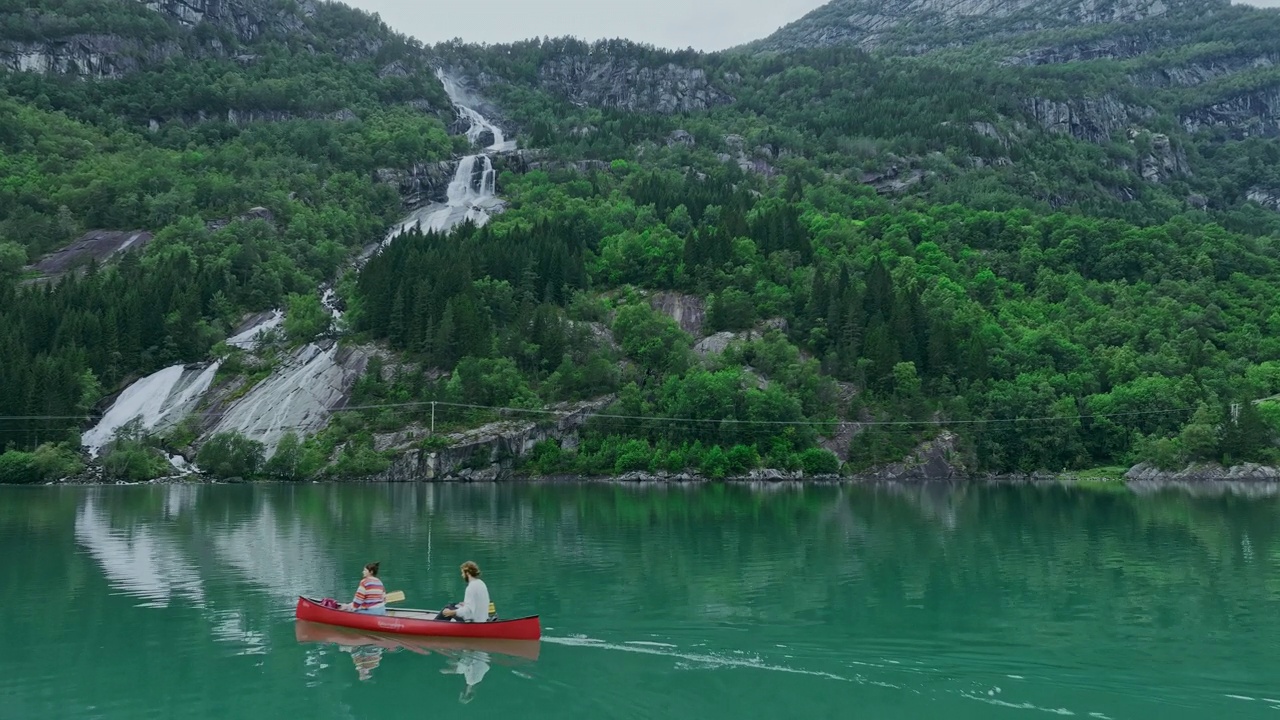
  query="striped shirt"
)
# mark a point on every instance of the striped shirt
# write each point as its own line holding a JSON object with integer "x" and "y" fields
{"x": 370, "y": 594}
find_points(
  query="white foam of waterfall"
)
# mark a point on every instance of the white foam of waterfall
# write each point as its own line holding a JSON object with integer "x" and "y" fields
{"x": 158, "y": 401}
{"x": 472, "y": 194}
{"x": 465, "y": 102}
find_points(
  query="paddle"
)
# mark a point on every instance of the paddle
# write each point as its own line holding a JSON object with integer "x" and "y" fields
{"x": 397, "y": 596}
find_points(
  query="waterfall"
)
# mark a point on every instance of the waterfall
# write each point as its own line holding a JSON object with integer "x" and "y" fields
{"x": 472, "y": 195}
{"x": 300, "y": 394}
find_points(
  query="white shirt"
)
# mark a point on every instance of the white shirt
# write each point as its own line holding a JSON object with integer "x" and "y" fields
{"x": 475, "y": 604}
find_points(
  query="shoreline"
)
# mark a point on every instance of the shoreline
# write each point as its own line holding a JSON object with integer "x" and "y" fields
{"x": 1139, "y": 478}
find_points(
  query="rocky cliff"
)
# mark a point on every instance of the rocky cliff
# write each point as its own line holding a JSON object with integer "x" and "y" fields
{"x": 248, "y": 19}
{"x": 609, "y": 83}
{"x": 1207, "y": 472}
{"x": 610, "y": 80}
{"x": 422, "y": 184}
{"x": 44, "y": 44}
{"x": 1246, "y": 114}
{"x": 90, "y": 56}
{"x": 1121, "y": 46}
{"x": 922, "y": 25}
{"x": 485, "y": 453}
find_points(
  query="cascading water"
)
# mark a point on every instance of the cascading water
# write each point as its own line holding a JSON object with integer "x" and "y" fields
{"x": 300, "y": 395}
{"x": 472, "y": 195}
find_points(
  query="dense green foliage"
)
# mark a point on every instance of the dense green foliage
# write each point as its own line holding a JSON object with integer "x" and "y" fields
{"x": 889, "y": 241}
{"x": 1097, "y": 333}
{"x": 78, "y": 167}
{"x": 227, "y": 455}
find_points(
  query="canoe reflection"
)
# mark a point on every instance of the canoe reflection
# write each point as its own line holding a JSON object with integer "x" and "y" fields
{"x": 472, "y": 666}
{"x": 468, "y": 657}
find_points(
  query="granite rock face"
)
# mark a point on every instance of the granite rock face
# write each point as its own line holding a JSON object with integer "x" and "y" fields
{"x": 1206, "y": 472}
{"x": 1254, "y": 113}
{"x": 606, "y": 82}
{"x": 923, "y": 25}
{"x": 94, "y": 246}
{"x": 248, "y": 19}
{"x": 689, "y": 311}
{"x": 1093, "y": 120}
{"x": 88, "y": 56}
{"x": 486, "y": 453}
{"x": 937, "y": 459}
{"x": 421, "y": 184}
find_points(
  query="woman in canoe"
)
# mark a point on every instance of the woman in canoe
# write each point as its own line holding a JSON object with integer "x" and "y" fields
{"x": 371, "y": 595}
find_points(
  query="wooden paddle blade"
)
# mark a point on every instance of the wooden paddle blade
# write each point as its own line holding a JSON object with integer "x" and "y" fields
{"x": 396, "y": 596}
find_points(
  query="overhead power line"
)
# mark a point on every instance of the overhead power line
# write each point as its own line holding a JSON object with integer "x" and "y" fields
{"x": 658, "y": 418}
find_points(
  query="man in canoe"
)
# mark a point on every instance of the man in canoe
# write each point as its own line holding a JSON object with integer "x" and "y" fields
{"x": 371, "y": 595}
{"x": 475, "y": 603}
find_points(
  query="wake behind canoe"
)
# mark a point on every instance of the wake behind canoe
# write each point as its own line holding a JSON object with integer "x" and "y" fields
{"x": 419, "y": 622}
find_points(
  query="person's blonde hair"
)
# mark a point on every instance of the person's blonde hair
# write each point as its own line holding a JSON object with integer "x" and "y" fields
{"x": 471, "y": 569}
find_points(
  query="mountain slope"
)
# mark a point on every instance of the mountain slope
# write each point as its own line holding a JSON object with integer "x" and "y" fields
{"x": 922, "y": 25}
{"x": 1054, "y": 230}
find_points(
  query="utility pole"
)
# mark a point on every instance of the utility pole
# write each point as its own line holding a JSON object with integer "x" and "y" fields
{"x": 433, "y": 417}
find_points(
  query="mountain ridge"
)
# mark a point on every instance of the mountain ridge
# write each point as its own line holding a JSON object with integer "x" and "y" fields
{"x": 906, "y": 25}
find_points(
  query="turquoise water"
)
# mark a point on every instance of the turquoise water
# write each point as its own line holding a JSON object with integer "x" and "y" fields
{"x": 687, "y": 601}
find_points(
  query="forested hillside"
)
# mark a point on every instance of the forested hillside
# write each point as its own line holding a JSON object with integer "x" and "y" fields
{"x": 1055, "y": 247}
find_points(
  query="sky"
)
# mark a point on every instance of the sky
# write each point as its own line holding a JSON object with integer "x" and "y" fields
{"x": 701, "y": 24}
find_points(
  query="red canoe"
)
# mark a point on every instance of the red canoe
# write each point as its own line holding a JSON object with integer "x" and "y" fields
{"x": 515, "y": 650}
{"x": 420, "y": 622}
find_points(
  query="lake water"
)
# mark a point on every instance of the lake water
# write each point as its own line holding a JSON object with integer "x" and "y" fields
{"x": 676, "y": 602}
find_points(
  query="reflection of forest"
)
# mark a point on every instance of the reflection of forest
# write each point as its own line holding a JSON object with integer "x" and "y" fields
{"x": 1058, "y": 556}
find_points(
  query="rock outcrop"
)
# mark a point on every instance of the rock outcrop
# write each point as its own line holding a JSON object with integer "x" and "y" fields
{"x": 486, "y": 453}
{"x": 1248, "y": 114}
{"x": 248, "y": 19}
{"x": 1093, "y": 120}
{"x": 893, "y": 179}
{"x": 1268, "y": 198}
{"x": 923, "y": 25}
{"x": 1203, "y": 70}
{"x": 257, "y": 213}
{"x": 1206, "y": 472}
{"x": 937, "y": 459}
{"x": 526, "y": 160}
{"x": 757, "y": 162}
{"x": 1116, "y": 47}
{"x": 689, "y": 311}
{"x": 89, "y": 56}
{"x": 114, "y": 54}
{"x": 299, "y": 396}
{"x": 93, "y": 246}
{"x": 605, "y": 82}
{"x": 1162, "y": 160}
{"x": 422, "y": 184}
